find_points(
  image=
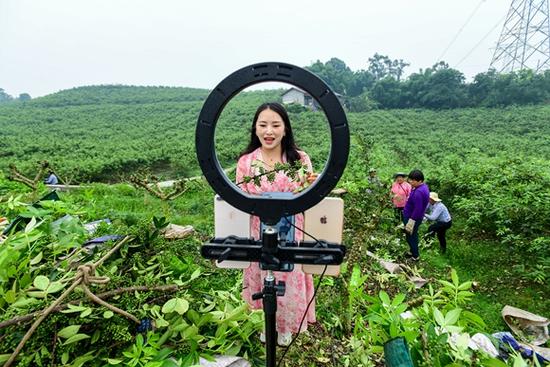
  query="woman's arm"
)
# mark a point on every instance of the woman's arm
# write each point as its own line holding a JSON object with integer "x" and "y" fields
{"x": 436, "y": 211}
{"x": 243, "y": 170}
{"x": 310, "y": 176}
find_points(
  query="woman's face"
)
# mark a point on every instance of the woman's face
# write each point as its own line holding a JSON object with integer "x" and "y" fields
{"x": 400, "y": 179}
{"x": 270, "y": 129}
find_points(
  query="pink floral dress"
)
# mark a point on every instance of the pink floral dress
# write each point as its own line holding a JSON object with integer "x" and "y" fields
{"x": 299, "y": 286}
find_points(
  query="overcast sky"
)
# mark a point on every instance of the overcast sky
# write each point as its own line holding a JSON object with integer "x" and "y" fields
{"x": 50, "y": 45}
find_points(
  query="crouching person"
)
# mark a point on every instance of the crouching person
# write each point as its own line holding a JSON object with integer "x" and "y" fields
{"x": 441, "y": 220}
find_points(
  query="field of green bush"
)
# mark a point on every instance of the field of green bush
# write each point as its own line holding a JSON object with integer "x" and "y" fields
{"x": 490, "y": 166}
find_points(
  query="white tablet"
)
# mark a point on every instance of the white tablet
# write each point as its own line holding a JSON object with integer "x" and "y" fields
{"x": 230, "y": 221}
{"x": 324, "y": 221}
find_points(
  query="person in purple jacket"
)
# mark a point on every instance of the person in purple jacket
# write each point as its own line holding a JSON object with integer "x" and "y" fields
{"x": 414, "y": 210}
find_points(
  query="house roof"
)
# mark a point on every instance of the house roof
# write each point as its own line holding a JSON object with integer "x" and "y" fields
{"x": 296, "y": 89}
{"x": 306, "y": 93}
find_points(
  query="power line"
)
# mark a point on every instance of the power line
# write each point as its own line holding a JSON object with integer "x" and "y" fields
{"x": 480, "y": 42}
{"x": 460, "y": 30}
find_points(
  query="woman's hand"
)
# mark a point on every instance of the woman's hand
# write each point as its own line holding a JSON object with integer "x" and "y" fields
{"x": 311, "y": 177}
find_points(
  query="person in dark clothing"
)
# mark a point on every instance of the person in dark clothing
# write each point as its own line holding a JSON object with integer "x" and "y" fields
{"x": 414, "y": 211}
{"x": 441, "y": 220}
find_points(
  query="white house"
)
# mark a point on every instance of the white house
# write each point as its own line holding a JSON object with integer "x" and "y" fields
{"x": 298, "y": 96}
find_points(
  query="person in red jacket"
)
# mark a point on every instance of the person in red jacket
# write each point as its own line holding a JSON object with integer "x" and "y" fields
{"x": 400, "y": 191}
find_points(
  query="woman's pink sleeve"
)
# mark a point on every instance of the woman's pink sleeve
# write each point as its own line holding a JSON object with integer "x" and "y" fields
{"x": 242, "y": 171}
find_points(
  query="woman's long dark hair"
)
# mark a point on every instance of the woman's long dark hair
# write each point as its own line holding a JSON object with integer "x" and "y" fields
{"x": 288, "y": 145}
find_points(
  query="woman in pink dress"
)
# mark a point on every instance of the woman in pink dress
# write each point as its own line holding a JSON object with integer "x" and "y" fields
{"x": 400, "y": 190}
{"x": 272, "y": 142}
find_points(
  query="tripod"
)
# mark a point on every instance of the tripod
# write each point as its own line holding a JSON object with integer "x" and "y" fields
{"x": 273, "y": 255}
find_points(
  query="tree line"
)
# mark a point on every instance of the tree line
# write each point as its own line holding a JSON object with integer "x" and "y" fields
{"x": 381, "y": 85}
{"x": 5, "y": 97}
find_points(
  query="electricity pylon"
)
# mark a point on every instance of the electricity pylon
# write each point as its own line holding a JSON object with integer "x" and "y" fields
{"x": 525, "y": 39}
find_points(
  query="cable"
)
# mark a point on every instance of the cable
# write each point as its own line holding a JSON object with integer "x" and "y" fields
{"x": 304, "y": 232}
{"x": 312, "y": 298}
{"x": 477, "y": 44}
{"x": 440, "y": 58}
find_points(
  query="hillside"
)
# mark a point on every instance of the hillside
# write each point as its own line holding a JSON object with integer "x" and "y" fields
{"x": 101, "y": 133}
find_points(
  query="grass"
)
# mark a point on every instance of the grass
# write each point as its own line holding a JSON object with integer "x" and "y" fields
{"x": 490, "y": 265}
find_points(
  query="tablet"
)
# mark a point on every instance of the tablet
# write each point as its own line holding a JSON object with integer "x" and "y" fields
{"x": 230, "y": 221}
{"x": 324, "y": 221}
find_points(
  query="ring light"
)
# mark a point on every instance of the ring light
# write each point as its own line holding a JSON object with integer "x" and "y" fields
{"x": 270, "y": 210}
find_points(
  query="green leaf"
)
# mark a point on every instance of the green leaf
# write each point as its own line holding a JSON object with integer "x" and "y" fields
{"x": 410, "y": 335}
{"x": 519, "y": 361}
{"x": 41, "y": 282}
{"x": 10, "y": 296}
{"x": 68, "y": 331}
{"x": 452, "y": 316}
{"x": 35, "y": 260}
{"x": 75, "y": 338}
{"x": 24, "y": 302}
{"x": 95, "y": 336}
{"x": 160, "y": 323}
{"x": 108, "y": 314}
{"x": 446, "y": 284}
{"x": 73, "y": 308}
{"x": 454, "y": 277}
{"x": 37, "y": 294}
{"x": 195, "y": 274}
{"x": 398, "y": 300}
{"x": 169, "y": 306}
{"x": 65, "y": 357}
{"x": 86, "y": 312}
{"x": 55, "y": 287}
{"x": 30, "y": 226}
{"x": 179, "y": 305}
{"x": 114, "y": 361}
{"x": 439, "y": 317}
{"x": 393, "y": 330}
{"x": 355, "y": 277}
{"x": 465, "y": 294}
{"x": 401, "y": 308}
{"x": 475, "y": 318}
{"x": 384, "y": 298}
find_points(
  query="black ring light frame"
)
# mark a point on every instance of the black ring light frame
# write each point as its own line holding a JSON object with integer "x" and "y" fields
{"x": 270, "y": 210}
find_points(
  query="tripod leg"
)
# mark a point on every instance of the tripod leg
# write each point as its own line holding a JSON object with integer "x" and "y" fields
{"x": 270, "y": 310}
